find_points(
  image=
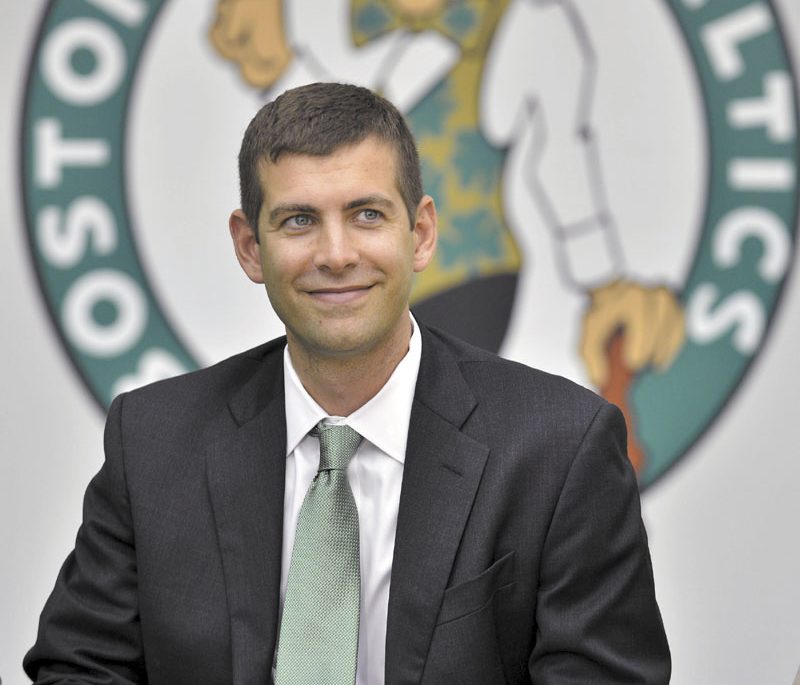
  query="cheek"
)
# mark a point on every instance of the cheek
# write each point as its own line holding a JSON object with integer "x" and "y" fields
{"x": 278, "y": 265}
{"x": 276, "y": 283}
{"x": 396, "y": 256}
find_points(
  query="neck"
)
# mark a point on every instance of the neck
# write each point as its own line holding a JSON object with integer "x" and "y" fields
{"x": 343, "y": 384}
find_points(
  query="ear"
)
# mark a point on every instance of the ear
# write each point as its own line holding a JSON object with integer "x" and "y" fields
{"x": 425, "y": 233}
{"x": 248, "y": 250}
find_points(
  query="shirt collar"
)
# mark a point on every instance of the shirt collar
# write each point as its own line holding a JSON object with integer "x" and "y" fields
{"x": 383, "y": 420}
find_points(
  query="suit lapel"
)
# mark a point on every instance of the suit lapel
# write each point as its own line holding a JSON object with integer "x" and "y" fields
{"x": 246, "y": 471}
{"x": 442, "y": 472}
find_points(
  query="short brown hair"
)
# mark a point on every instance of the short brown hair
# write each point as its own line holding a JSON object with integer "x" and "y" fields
{"x": 317, "y": 119}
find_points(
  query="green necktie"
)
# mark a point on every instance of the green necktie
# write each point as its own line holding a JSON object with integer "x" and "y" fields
{"x": 318, "y": 642}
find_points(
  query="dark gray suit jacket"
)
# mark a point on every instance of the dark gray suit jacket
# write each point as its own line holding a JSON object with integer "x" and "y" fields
{"x": 520, "y": 553}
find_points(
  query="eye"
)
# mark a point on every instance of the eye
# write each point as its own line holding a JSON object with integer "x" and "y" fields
{"x": 369, "y": 215}
{"x": 297, "y": 221}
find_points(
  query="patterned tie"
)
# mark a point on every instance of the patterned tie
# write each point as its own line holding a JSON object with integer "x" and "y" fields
{"x": 318, "y": 642}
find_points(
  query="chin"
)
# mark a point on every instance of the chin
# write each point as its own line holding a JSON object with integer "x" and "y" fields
{"x": 343, "y": 345}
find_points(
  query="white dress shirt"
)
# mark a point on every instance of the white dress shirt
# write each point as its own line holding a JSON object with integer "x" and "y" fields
{"x": 375, "y": 474}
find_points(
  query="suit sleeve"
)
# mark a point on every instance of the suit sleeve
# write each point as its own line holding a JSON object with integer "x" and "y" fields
{"x": 597, "y": 617}
{"x": 89, "y": 628}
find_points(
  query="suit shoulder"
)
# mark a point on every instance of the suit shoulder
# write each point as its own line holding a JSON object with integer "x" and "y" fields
{"x": 510, "y": 391}
{"x": 203, "y": 386}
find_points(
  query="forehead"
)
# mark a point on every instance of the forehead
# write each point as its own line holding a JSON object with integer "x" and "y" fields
{"x": 370, "y": 162}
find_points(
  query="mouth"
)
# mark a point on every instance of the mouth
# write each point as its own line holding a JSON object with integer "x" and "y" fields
{"x": 339, "y": 295}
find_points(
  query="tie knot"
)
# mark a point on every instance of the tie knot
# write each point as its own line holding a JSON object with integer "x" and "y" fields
{"x": 337, "y": 444}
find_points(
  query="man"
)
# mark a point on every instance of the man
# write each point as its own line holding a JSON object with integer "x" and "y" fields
{"x": 487, "y": 527}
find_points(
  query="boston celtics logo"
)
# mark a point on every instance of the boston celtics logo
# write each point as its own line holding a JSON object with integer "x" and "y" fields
{"x": 617, "y": 186}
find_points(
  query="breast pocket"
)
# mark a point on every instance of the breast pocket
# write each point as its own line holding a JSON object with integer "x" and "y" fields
{"x": 474, "y": 594}
{"x": 464, "y": 648}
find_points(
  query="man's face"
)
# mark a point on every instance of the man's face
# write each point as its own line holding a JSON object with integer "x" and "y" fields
{"x": 336, "y": 251}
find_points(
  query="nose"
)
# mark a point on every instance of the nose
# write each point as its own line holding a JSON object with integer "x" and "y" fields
{"x": 335, "y": 249}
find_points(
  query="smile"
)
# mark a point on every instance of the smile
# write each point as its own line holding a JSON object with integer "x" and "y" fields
{"x": 339, "y": 295}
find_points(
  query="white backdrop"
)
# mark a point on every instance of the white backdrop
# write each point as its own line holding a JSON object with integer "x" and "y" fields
{"x": 723, "y": 524}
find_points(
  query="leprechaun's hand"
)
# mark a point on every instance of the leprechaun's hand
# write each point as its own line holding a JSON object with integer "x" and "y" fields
{"x": 650, "y": 318}
{"x": 251, "y": 34}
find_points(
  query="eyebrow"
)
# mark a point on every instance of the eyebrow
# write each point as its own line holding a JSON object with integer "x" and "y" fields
{"x": 369, "y": 200}
{"x": 290, "y": 209}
